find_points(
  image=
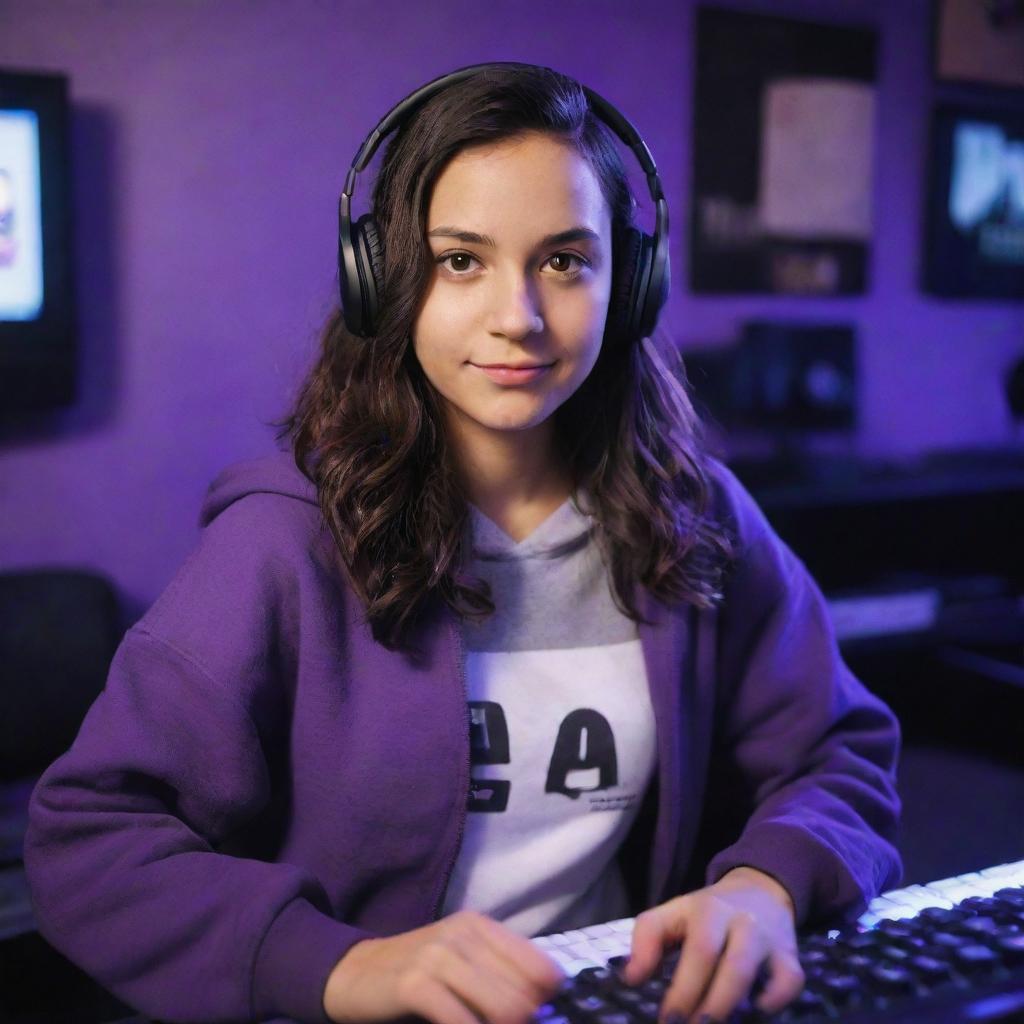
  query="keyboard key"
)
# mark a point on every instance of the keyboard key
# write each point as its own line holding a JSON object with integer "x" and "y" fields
{"x": 911, "y": 943}
{"x": 812, "y": 972}
{"x": 814, "y": 956}
{"x": 626, "y": 996}
{"x": 893, "y": 910}
{"x": 978, "y": 926}
{"x": 957, "y": 890}
{"x": 894, "y": 953}
{"x": 1001, "y": 870}
{"x": 839, "y": 989}
{"x": 979, "y": 904}
{"x": 858, "y": 962}
{"x": 807, "y": 1004}
{"x": 584, "y": 951}
{"x": 928, "y": 897}
{"x": 654, "y": 988}
{"x": 898, "y": 928}
{"x": 891, "y": 981}
{"x": 668, "y": 964}
{"x": 1011, "y": 949}
{"x": 548, "y": 1013}
{"x": 976, "y": 959}
{"x": 597, "y": 977}
{"x": 917, "y": 897}
{"x": 572, "y": 967}
{"x": 610, "y": 943}
{"x": 589, "y": 1003}
{"x": 938, "y": 916}
{"x": 864, "y": 940}
{"x": 562, "y": 958}
{"x": 930, "y": 970}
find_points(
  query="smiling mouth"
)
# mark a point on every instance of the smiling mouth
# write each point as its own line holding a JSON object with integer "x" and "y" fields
{"x": 507, "y": 366}
{"x": 514, "y": 376}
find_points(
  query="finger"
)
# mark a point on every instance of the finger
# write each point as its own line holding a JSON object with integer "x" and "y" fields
{"x": 425, "y": 996}
{"x": 535, "y": 982}
{"x": 490, "y": 995}
{"x": 653, "y": 930}
{"x": 745, "y": 950}
{"x": 785, "y": 983}
{"x": 696, "y": 967}
{"x": 522, "y": 960}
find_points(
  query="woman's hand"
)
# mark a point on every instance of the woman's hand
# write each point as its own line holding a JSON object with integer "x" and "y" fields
{"x": 459, "y": 970}
{"x": 728, "y": 930}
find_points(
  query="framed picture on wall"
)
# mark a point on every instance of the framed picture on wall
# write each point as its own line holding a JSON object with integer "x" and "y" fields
{"x": 974, "y": 224}
{"x": 979, "y": 41}
{"x": 783, "y": 152}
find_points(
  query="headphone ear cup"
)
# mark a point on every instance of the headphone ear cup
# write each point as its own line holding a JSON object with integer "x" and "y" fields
{"x": 652, "y": 287}
{"x": 624, "y": 281}
{"x": 643, "y": 322}
{"x": 369, "y": 255}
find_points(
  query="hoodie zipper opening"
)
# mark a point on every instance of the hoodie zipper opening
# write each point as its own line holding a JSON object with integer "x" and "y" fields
{"x": 464, "y": 795}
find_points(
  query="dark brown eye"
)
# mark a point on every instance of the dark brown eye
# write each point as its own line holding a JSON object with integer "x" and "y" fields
{"x": 457, "y": 269}
{"x": 567, "y": 269}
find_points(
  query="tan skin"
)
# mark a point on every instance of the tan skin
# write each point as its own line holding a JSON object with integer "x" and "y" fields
{"x": 519, "y": 301}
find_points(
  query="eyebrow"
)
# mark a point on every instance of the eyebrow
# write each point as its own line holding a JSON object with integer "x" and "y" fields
{"x": 575, "y": 234}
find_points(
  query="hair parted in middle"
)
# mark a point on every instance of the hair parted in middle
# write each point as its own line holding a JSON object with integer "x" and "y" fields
{"x": 368, "y": 429}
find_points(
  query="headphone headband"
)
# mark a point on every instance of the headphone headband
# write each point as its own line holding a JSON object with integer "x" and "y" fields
{"x": 355, "y": 268}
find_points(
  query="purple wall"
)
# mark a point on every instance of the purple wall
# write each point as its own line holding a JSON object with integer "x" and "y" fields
{"x": 210, "y": 143}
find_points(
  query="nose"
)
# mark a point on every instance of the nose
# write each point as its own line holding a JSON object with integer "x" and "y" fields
{"x": 515, "y": 312}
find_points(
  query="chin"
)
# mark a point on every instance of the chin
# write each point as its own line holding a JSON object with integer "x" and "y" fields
{"x": 513, "y": 424}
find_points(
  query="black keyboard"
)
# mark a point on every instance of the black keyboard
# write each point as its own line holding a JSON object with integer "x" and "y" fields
{"x": 952, "y": 950}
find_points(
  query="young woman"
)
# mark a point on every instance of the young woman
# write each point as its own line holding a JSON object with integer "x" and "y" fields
{"x": 496, "y": 650}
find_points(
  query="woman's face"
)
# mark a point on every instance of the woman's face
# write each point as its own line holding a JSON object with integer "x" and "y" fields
{"x": 510, "y": 294}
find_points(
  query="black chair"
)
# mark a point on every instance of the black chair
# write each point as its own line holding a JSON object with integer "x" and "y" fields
{"x": 58, "y": 632}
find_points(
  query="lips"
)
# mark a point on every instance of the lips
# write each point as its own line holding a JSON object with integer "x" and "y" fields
{"x": 510, "y": 366}
{"x": 511, "y": 375}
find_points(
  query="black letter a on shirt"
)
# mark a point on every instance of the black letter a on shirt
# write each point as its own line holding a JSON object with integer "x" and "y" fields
{"x": 585, "y": 748}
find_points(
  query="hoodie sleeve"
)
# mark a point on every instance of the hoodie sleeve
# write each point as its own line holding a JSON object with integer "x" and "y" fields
{"x": 170, "y": 762}
{"x": 815, "y": 751}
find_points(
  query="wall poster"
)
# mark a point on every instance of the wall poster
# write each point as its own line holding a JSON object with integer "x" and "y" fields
{"x": 783, "y": 154}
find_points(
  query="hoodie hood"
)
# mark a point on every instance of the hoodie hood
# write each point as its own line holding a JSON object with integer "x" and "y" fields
{"x": 273, "y": 474}
{"x": 566, "y": 530}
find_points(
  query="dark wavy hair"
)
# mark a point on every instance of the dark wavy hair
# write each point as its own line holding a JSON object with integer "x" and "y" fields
{"x": 367, "y": 426}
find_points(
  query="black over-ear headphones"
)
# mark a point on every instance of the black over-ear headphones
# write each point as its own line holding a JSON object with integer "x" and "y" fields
{"x": 641, "y": 274}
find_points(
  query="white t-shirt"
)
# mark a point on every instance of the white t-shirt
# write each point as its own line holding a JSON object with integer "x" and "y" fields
{"x": 562, "y": 732}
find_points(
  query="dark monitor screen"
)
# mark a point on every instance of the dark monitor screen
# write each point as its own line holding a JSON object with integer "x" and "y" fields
{"x": 796, "y": 377}
{"x": 37, "y": 351}
{"x": 975, "y": 222}
{"x": 782, "y": 379}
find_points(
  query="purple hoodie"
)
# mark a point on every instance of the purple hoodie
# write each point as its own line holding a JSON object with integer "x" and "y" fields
{"x": 260, "y": 784}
